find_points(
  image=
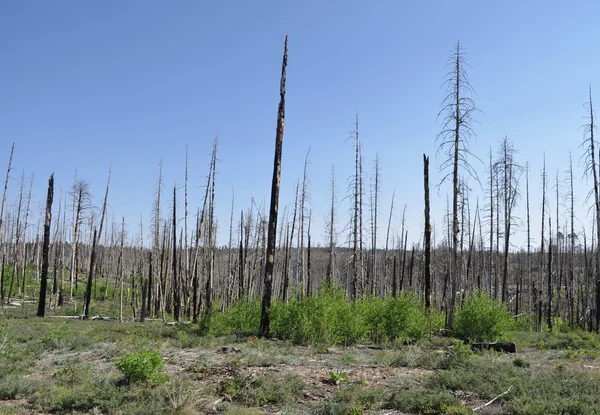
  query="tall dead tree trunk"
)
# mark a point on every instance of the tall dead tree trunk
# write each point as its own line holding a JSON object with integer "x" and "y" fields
{"x": 427, "y": 270}
{"x": 590, "y": 167}
{"x": 356, "y": 214}
{"x": 330, "y": 273}
{"x": 88, "y": 290}
{"x": 572, "y": 237}
{"x": 265, "y": 319}
{"x": 529, "y": 279}
{"x": 45, "y": 249}
{"x": 211, "y": 231}
{"x": 12, "y": 150}
{"x": 542, "y": 246}
{"x": 176, "y": 289}
{"x": 458, "y": 109}
{"x": 301, "y": 227}
{"x": 374, "y": 270}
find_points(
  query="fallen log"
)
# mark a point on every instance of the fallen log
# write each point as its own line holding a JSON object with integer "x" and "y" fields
{"x": 498, "y": 347}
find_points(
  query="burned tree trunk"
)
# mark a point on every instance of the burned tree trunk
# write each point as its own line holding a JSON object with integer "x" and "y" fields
{"x": 176, "y": 290}
{"x": 88, "y": 290}
{"x": 45, "y": 249}
{"x": 427, "y": 272}
{"x": 268, "y": 282}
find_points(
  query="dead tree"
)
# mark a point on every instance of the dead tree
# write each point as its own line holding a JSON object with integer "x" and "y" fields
{"x": 301, "y": 266}
{"x": 529, "y": 279}
{"x": 374, "y": 217}
{"x": 272, "y": 232}
{"x": 542, "y": 246}
{"x": 591, "y": 167}
{"x": 356, "y": 207}
{"x": 572, "y": 236}
{"x": 45, "y": 249}
{"x": 81, "y": 202}
{"x": 176, "y": 288}
{"x": 458, "y": 109}
{"x": 387, "y": 241}
{"x": 330, "y": 273}
{"x": 509, "y": 173}
{"x": 211, "y": 230}
{"x": 12, "y": 150}
{"x": 154, "y": 283}
{"x": 427, "y": 270}
{"x": 286, "y": 277}
{"x": 88, "y": 289}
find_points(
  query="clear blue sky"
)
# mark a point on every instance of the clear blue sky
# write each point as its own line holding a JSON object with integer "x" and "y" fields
{"x": 84, "y": 84}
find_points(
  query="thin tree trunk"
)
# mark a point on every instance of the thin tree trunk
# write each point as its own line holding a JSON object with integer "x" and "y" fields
{"x": 176, "y": 289}
{"x": 46, "y": 248}
{"x": 427, "y": 270}
{"x": 88, "y": 290}
{"x": 265, "y": 319}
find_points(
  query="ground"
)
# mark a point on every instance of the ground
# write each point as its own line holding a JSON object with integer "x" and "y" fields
{"x": 57, "y": 365}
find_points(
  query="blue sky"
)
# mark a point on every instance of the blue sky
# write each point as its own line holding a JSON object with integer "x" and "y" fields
{"x": 86, "y": 84}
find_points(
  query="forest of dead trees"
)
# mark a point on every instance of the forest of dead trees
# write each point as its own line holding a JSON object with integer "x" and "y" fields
{"x": 180, "y": 272}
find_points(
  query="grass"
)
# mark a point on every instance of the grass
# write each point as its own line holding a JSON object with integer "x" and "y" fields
{"x": 70, "y": 366}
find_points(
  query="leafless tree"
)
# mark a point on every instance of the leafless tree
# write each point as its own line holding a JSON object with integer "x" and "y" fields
{"x": 457, "y": 115}
{"x": 265, "y": 319}
{"x": 46, "y": 248}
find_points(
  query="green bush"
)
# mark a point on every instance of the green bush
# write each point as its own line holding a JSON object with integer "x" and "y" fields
{"x": 144, "y": 366}
{"x": 243, "y": 317}
{"x": 460, "y": 356}
{"x": 405, "y": 317}
{"x": 326, "y": 318}
{"x": 329, "y": 318}
{"x": 578, "y": 340}
{"x": 77, "y": 389}
{"x": 353, "y": 399}
{"x": 259, "y": 390}
{"x": 481, "y": 319}
{"x": 424, "y": 401}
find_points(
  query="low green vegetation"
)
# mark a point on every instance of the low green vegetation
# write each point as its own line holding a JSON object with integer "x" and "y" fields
{"x": 327, "y": 318}
{"x": 329, "y": 356}
{"x": 482, "y": 319}
{"x": 144, "y": 366}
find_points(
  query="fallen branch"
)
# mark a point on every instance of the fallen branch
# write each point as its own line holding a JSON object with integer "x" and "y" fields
{"x": 493, "y": 400}
{"x": 4, "y": 341}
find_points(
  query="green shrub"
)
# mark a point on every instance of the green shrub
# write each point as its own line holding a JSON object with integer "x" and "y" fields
{"x": 353, "y": 400}
{"x": 77, "y": 389}
{"x": 483, "y": 375}
{"x": 460, "y": 355}
{"x": 481, "y": 319}
{"x": 243, "y": 317}
{"x": 403, "y": 317}
{"x": 259, "y": 390}
{"x": 417, "y": 357}
{"x": 424, "y": 401}
{"x": 328, "y": 318}
{"x": 579, "y": 340}
{"x": 17, "y": 387}
{"x": 144, "y": 366}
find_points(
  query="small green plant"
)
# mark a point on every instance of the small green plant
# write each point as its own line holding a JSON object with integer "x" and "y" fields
{"x": 424, "y": 401}
{"x": 353, "y": 400}
{"x": 257, "y": 390}
{"x": 481, "y": 319}
{"x": 144, "y": 366}
{"x": 338, "y": 376}
{"x": 348, "y": 358}
{"x": 460, "y": 355}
